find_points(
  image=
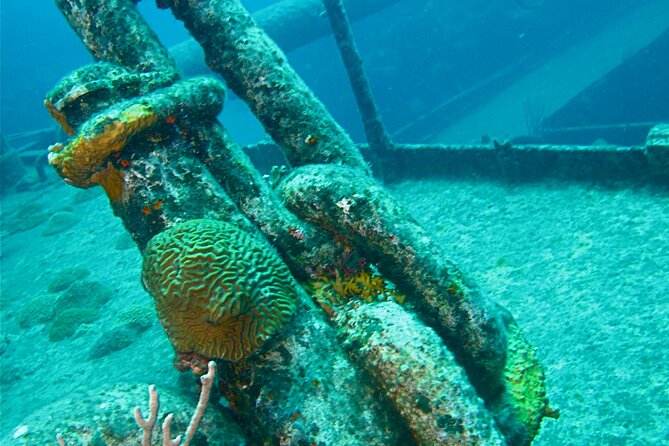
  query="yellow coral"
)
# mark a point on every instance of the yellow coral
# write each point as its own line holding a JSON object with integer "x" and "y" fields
{"x": 372, "y": 286}
{"x": 366, "y": 285}
{"x": 349, "y": 287}
{"x": 324, "y": 294}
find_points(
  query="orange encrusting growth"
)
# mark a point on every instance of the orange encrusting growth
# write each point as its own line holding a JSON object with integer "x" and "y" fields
{"x": 111, "y": 180}
{"x": 84, "y": 156}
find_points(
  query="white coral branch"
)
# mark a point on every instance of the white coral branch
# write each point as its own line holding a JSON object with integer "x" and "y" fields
{"x": 147, "y": 425}
{"x": 207, "y": 380}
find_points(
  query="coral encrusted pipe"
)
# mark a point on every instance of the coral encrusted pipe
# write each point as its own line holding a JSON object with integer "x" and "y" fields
{"x": 256, "y": 69}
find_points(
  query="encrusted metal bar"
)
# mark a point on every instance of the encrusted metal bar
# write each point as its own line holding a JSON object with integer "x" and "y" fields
{"x": 417, "y": 373}
{"x": 105, "y": 28}
{"x": 141, "y": 149}
{"x": 359, "y": 210}
{"x": 257, "y": 71}
{"x": 154, "y": 152}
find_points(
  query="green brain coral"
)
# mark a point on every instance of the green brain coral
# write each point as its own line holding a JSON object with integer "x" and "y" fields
{"x": 218, "y": 291}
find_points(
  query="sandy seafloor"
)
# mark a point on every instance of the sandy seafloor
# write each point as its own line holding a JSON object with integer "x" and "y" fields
{"x": 584, "y": 268}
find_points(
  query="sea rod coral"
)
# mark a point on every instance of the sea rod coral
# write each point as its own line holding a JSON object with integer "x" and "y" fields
{"x": 148, "y": 424}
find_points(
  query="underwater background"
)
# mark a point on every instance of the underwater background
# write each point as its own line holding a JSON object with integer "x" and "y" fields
{"x": 581, "y": 262}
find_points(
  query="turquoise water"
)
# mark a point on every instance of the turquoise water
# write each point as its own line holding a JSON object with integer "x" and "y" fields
{"x": 581, "y": 260}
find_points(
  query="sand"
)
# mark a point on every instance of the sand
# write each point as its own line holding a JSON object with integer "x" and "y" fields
{"x": 584, "y": 269}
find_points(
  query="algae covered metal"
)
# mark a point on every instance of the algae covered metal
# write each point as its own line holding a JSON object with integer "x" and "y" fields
{"x": 449, "y": 366}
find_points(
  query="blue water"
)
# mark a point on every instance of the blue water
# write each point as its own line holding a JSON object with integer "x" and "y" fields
{"x": 436, "y": 52}
{"x": 441, "y": 71}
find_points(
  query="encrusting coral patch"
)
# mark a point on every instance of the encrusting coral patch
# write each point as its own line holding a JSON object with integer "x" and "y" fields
{"x": 80, "y": 159}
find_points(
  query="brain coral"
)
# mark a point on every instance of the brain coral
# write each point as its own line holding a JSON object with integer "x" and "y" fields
{"x": 218, "y": 291}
